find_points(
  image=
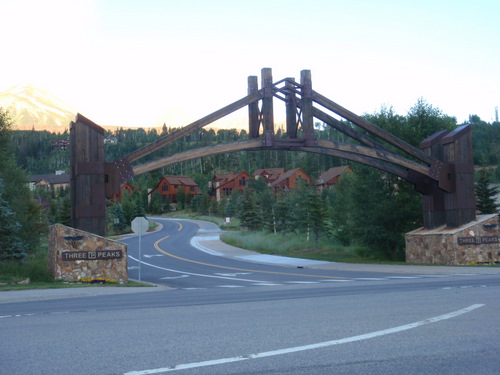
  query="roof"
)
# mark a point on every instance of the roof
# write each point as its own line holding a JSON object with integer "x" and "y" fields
{"x": 220, "y": 177}
{"x": 331, "y": 174}
{"x": 272, "y": 173}
{"x": 63, "y": 178}
{"x": 180, "y": 180}
{"x": 232, "y": 178}
{"x": 287, "y": 175}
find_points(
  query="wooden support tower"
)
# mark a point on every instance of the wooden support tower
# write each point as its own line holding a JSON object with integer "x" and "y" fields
{"x": 88, "y": 201}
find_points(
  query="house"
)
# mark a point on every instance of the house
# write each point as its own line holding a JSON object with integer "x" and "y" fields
{"x": 224, "y": 184}
{"x": 126, "y": 187}
{"x": 331, "y": 177}
{"x": 61, "y": 144}
{"x": 169, "y": 186}
{"x": 289, "y": 180}
{"x": 52, "y": 182}
{"x": 269, "y": 175}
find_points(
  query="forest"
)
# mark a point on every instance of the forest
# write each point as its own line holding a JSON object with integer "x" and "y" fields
{"x": 367, "y": 207}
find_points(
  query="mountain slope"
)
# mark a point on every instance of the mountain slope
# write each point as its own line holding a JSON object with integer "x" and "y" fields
{"x": 33, "y": 108}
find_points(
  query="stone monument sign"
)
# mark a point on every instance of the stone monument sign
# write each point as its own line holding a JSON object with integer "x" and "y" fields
{"x": 75, "y": 255}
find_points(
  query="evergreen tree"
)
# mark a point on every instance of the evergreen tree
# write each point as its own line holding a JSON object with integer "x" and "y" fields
{"x": 129, "y": 208}
{"x": 11, "y": 245}
{"x": 64, "y": 212}
{"x": 205, "y": 204}
{"x": 27, "y": 212}
{"x": 282, "y": 220}
{"x": 181, "y": 198}
{"x": 155, "y": 207}
{"x": 485, "y": 194}
{"x": 250, "y": 217}
{"x": 316, "y": 214}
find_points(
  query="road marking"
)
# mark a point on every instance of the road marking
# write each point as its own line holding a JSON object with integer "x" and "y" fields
{"x": 174, "y": 277}
{"x": 301, "y": 282}
{"x": 229, "y": 286}
{"x": 157, "y": 247}
{"x": 233, "y": 274}
{"x": 403, "y": 277}
{"x": 151, "y": 256}
{"x": 319, "y": 345}
{"x": 191, "y": 273}
{"x": 338, "y": 281}
{"x": 369, "y": 278}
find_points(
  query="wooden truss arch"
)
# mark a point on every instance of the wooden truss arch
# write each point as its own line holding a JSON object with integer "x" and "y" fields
{"x": 442, "y": 169}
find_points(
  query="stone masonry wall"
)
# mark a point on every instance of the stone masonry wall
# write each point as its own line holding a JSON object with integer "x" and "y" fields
{"x": 74, "y": 254}
{"x": 475, "y": 242}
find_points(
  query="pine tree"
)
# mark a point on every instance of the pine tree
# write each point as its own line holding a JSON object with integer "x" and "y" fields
{"x": 250, "y": 217}
{"x": 11, "y": 246}
{"x": 485, "y": 194}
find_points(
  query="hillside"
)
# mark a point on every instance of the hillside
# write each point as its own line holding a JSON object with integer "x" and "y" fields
{"x": 33, "y": 108}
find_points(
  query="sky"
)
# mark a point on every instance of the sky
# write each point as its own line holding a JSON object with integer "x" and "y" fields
{"x": 145, "y": 62}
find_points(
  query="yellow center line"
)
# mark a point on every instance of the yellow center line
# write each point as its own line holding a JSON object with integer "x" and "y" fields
{"x": 157, "y": 247}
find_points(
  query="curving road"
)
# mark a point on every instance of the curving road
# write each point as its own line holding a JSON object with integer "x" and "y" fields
{"x": 219, "y": 314}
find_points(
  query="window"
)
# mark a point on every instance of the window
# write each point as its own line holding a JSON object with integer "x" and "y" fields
{"x": 243, "y": 181}
{"x": 164, "y": 187}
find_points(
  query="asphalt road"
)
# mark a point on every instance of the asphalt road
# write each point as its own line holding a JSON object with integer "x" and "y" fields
{"x": 317, "y": 319}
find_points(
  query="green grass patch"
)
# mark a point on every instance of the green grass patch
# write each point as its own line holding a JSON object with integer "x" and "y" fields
{"x": 295, "y": 245}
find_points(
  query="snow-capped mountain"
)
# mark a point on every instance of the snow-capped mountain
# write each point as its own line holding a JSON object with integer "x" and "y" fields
{"x": 30, "y": 107}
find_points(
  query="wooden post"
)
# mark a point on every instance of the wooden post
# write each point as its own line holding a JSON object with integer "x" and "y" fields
{"x": 307, "y": 108}
{"x": 267, "y": 107}
{"x": 291, "y": 108}
{"x": 432, "y": 196}
{"x": 460, "y": 204}
{"x": 88, "y": 210}
{"x": 253, "y": 109}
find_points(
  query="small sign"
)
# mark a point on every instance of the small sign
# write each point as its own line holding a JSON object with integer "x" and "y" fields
{"x": 92, "y": 255}
{"x": 140, "y": 225}
{"x": 228, "y": 220}
{"x": 477, "y": 240}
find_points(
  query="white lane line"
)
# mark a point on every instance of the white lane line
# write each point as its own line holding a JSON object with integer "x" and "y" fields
{"x": 403, "y": 277}
{"x": 301, "y": 282}
{"x": 229, "y": 286}
{"x": 191, "y": 273}
{"x": 370, "y": 278}
{"x": 337, "y": 281}
{"x": 319, "y": 345}
{"x": 265, "y": 284}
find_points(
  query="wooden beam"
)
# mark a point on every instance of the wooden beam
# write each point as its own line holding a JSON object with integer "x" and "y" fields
{"x": 253, "y": 109}
{"x": 373, "y": 129}
{"x": 306, "y": 104}
{"x": 188, "y": 129}
{"x": 381, "y": 165}
{"x": 267, "y": 106}
{"x": 375, "y": 154}
{"x": 291, "y": 108}
{"x": 347, "y": 130}
{"x": 197, "y": 153}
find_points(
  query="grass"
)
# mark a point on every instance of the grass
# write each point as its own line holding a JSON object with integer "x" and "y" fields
{"x": 295, "y": 245}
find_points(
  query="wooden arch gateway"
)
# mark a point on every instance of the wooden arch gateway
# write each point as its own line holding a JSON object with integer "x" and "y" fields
{"x": 442, "y": 169}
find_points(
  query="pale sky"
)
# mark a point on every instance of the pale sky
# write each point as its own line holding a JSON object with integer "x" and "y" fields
{"x": 145, "y": 62}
